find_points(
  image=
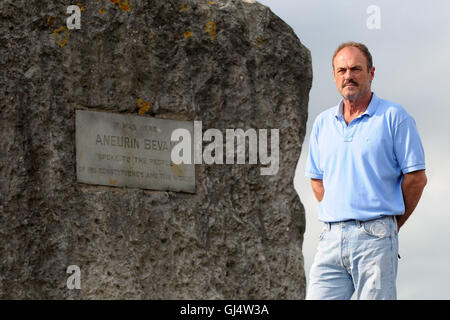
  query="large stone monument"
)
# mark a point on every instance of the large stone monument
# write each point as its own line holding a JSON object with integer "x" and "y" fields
{"x": 199, "y": 231}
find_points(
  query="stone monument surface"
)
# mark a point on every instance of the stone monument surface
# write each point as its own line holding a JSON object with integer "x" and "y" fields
{"x": 229, "y": 64}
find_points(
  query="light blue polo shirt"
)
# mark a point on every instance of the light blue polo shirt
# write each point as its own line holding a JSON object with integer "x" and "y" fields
{"x": 362, "y": 164}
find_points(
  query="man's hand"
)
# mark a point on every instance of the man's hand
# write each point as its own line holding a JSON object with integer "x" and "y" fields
{"x": 317, "y": 186}
{"x": 412, "y": 187}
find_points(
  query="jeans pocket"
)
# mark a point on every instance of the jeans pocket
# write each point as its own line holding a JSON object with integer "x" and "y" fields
{"x": 376, "y": 228}
{"x": 322, "y": 233}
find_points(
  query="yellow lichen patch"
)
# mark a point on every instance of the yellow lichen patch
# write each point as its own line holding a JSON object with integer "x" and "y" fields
{"x": 81, "y": 7}
{"x": 124, "y": 5}
{"x": 177, "y": 169}
{"x": 211, "y": 2}
{"x": 63, "y": 41}
{"x": 259, "y": 42}
{"x": 187, "y": 34}
{"x": 211, "y": 28}
{"x": 144, "y": 106}
{"x": 102, "y": 11}
{"x": 152, "y": 36}
{"x": 184, "y": 6}
{"x": 51, "y": 20}
{"x": 113, "y": 181}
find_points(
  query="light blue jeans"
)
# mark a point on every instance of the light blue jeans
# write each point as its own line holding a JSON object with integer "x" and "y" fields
{"x": 356, "y": 257}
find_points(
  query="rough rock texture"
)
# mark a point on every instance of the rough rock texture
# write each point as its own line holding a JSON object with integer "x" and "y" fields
{"x": 230, "y": 64}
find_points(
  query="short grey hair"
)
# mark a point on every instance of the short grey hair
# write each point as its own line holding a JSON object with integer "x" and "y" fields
{"x": 358, "y": 45}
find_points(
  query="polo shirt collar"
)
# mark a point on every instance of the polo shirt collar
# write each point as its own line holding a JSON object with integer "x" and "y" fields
{"x": 369, "y": 111}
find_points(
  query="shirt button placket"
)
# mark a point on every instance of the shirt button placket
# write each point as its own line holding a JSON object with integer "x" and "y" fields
{"x": 348, "y": 132}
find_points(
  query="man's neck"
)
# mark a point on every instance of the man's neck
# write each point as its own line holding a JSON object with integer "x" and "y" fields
{"x": 356, "y": 107}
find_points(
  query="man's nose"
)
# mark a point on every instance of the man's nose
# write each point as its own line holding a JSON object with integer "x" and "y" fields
{"x": 347, "y": 74}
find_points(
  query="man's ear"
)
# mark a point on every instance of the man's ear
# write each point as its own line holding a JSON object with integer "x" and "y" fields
{"x": 372, "y": 73}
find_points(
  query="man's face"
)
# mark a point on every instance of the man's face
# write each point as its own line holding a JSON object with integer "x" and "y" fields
{"x": 350, "y": 73}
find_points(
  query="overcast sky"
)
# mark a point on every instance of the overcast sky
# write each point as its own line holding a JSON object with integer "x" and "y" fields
{"x": 411, "y": 58}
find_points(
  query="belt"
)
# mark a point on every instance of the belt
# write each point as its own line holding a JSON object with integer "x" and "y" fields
{"x": 361, "y": 221}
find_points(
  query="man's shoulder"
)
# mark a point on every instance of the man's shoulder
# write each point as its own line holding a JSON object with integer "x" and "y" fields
{"x": 393, "y": 111}
{"x": 326, "y": 114}
{"x": 390, "y": 106}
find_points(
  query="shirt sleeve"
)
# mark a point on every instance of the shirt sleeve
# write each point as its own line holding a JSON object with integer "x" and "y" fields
{"x": 312, "y": 168}
{"x": 408, "y": 147}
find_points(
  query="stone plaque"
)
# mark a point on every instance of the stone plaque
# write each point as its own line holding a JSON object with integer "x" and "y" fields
{"x": 126, "y": 150}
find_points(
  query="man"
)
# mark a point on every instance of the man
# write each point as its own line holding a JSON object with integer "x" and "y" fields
{"x": 367, "y": 170}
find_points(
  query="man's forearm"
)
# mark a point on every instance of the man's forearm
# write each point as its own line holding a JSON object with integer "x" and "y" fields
{"x": 412, "y": 187}
{"x": 318, "y": 189}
